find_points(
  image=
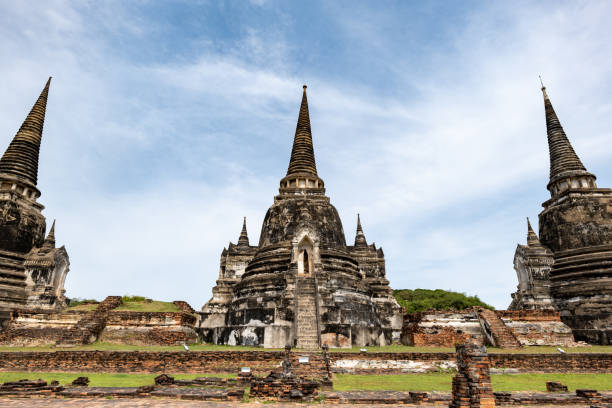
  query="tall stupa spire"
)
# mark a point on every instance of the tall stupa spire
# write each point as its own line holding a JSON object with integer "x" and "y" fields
{"x": 566, "y": 169}
{"x": 302, "y": 154}
{"x": 302, "y": 175}
{"x": 244, "y": 238}
{"x": 20, "y": 160}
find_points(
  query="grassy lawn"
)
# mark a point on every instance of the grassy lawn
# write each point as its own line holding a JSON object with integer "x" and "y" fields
{"x": 396, "y": 348}
{"x": 85, "y": 307}
{"x": 128, "y": 347}
{"x": 153, "y": 306}
{"x": 442, "y": 382}
{"x": 393, "y": 348}
{"x": 347, "y": 382}
{"x": 101, "y": 379}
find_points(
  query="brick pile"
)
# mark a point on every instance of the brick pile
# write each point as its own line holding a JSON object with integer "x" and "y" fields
{"x": 275, "y": 388}
{"x": 28, "y": 387}
{"x": 472, "y": 384}
{"x": 555, "y": 386}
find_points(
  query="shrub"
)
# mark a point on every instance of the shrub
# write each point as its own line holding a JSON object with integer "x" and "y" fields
{"x": 80, "y": 301}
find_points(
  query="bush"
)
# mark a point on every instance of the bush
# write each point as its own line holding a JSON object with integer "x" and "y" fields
{"x": 418, "y": 300}
{"x": 80, "y": 301}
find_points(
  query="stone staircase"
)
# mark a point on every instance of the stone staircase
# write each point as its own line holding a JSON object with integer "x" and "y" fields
{"x": 495, "y": 330}
{"x": 87, "y": 330}
{"x": 307, "y": 322}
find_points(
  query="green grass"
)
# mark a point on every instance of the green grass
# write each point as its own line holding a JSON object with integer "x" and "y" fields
{"x": 347, "y": 382}
{"x": 142, "y": 306}
{"x": 83, "y": 307}
{"x": 397, "y": 348}
{"x": 129, "y": 347}
{"x": 388, "y": 349}
{"x": 101, "y": 379}
{"x": 442, "y": 382}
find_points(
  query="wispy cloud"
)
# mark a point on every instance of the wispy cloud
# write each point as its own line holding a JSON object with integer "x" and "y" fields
{"x": 160, "y": 138}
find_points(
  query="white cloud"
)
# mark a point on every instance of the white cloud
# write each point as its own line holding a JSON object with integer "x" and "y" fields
{"x": 148, "y": 167}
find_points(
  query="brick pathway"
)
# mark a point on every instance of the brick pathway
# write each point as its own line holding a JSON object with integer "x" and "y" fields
{"x": 165, "y": 403}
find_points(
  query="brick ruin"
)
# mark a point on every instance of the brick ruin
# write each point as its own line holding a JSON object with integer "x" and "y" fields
{"x": 569, "y": 267}
{"x": 104, "y": 323}
{"x": 472, "y": 384}
{"x": 32, "y": 269}
{"x": 302, "y": 284}
{"x": 500, "y": 328}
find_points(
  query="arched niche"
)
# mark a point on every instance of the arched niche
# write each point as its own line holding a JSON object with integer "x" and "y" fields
{"x": 305, "y": 257}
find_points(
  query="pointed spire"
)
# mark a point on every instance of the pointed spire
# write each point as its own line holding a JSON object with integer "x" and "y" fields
{"x": 532, "y": 238}
{"x": 21, "y": 157}
{"x": 564, "y": 161}
{"x": 50, "y": 240}
{"x": 244, "y": 238}
{"x": 302, "y": 153}
{"x": 360, "y": 239}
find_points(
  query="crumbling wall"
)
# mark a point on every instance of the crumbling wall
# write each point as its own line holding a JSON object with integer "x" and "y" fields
{"x": 441, "y": 328}
{"x": 149, "y": 328}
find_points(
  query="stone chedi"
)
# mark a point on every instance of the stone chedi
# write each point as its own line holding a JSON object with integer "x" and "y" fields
{"x": 576, "y": 226}
{"x": 532, "y": 263}
{"x": 32, "y": 269}
{"x": 302, "y": 284}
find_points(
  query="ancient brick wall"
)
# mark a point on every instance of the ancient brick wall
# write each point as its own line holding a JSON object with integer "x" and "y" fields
{"x": 120, "y": 327}
{"x": 537, "y": 327}
{"x": 441, "y": 328}
{"x": 262, "y": 362}
{"x": 445, "y": 328}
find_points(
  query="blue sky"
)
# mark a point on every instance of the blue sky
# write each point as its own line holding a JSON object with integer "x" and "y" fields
{"x": 169, "y": 121}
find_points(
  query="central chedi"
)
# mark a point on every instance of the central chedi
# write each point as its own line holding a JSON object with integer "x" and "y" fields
{"x": 302, "y": 285}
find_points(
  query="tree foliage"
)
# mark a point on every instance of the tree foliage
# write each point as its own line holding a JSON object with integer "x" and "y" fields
{"x": 418, "y": 300}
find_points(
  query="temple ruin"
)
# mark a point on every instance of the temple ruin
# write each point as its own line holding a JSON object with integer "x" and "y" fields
{"x": 32, "y": 269}
{"x": 302, "y": 284}
{"x": 570, "y": 265}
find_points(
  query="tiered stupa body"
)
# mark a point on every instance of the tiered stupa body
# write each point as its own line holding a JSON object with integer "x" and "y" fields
{"x": 303, "y": 285}
{"x": 32, "y": 270}
{"x": 576, "y": 226}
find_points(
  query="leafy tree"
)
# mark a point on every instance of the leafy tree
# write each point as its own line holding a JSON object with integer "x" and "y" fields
{"x": 418, "y": 300}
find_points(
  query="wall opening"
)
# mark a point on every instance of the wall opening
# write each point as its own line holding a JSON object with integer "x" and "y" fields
{"x": 305, "y": 257}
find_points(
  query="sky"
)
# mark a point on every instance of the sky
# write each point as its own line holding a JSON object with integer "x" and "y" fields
{"x": 168, "y": 121}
